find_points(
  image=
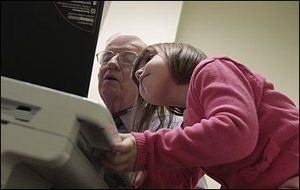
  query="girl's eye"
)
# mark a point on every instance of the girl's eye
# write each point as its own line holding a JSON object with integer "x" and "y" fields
{"x": 147, "y": 58}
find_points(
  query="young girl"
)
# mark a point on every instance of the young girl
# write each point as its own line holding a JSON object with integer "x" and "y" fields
{"x": 238, "y": 129}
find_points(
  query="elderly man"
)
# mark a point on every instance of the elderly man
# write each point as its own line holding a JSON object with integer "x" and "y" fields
{"x": 115, "y": 86}
{"x": 119, "y": 92}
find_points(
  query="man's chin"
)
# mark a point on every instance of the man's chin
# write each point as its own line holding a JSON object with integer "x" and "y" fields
{"x": 109, "y": 91}
{"x": 110, "y": 84}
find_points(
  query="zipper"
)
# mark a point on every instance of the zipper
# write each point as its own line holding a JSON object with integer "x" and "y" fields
{"x": 217, "y": 179}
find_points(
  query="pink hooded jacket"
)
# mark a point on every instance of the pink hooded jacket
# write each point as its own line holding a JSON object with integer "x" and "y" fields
{"x": 239, "y": 130}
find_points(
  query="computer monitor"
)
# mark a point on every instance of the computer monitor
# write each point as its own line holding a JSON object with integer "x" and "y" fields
{"x": 51, "y": 139}
{"x": 50, "y": 43}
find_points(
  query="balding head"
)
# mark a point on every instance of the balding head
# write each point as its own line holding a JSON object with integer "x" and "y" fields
{"x": 131, "y": 42}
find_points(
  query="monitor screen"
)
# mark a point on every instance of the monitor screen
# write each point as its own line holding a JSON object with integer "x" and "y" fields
{"x": 50, "y": 43}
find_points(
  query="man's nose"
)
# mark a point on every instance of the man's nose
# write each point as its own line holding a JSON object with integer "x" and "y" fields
{"x": 113, "y": 63}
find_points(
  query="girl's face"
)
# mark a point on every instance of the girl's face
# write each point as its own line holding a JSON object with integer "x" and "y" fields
{"x": 156, "y": 85}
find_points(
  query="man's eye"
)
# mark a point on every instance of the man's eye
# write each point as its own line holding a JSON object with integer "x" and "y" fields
{"x": 106, "y": 57}
{"x": 129, "y": 58}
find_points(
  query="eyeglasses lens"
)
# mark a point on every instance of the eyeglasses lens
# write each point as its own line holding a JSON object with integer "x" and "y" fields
{"x": 106, "y": 56}
{"x": 126, "y": 58}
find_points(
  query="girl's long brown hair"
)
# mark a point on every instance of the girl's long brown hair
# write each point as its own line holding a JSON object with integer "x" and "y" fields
{"x": 182, "y": 60}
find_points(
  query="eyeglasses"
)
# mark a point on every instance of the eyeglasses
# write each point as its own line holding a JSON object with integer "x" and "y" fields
{"x": 126, "y": 57}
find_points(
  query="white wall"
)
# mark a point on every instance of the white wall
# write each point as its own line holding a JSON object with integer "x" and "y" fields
{"x": 263, "y": 35}
{"x": 152, "y": 21}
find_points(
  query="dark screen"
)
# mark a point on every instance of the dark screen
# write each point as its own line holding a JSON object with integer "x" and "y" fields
{"x": 50, "y": 43}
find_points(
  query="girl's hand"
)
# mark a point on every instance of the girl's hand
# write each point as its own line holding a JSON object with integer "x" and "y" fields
{"x": 137, "y": 178}
{"x": 123, "y": 155}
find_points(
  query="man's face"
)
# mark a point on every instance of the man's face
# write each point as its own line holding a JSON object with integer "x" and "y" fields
{"x": 115, "y": 85}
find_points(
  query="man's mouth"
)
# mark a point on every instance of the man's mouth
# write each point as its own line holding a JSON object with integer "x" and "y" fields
{"x": 110, "y": 78}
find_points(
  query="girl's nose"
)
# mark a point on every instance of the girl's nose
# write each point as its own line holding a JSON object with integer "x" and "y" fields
{"x": 138, "y": 74}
